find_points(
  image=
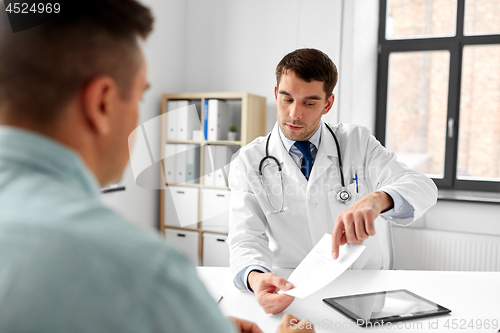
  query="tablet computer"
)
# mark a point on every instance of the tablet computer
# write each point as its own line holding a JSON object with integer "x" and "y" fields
{"x": 386, "y": 306}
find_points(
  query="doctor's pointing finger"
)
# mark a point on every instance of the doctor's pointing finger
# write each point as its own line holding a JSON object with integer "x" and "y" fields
{"x": 355, "y": 224}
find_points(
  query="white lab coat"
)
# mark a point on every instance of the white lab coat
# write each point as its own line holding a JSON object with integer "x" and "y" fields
{"x": 257, "y": 236}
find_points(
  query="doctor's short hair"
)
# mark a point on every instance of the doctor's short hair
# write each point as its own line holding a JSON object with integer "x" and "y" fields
{"x": 309, "y": 65}
{"x": 43, "y": 67}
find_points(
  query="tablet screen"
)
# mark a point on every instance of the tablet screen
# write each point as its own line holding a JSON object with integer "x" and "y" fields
{"x": 386, "y": 306}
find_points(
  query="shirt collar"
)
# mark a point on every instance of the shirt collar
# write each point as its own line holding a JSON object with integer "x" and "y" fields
{"x": 43, "y": 154}
{"x": 315, "y": 139}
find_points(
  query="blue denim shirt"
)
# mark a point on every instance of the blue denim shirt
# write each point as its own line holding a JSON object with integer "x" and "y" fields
{"x": 69, "y": 264}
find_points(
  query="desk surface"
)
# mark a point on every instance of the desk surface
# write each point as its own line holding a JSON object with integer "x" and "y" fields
{"x": 473, "y": 297}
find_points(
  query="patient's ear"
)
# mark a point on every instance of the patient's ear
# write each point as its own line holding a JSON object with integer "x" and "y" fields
{"x": 100, "y": 96}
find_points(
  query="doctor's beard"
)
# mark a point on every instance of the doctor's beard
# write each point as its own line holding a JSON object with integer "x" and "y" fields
{"x": 301, "y": 135}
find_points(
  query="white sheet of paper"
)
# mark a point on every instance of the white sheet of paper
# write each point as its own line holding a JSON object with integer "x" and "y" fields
{"x": 319, "y": 269}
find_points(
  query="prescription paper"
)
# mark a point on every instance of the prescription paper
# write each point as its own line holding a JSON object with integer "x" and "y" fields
{"x": 318, "y": 268}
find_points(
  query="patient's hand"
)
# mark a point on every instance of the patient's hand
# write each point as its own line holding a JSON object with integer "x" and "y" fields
{"x": 266, "y": 287}
{"x": 290, "y": 323}
{"x": 245, "y": 326}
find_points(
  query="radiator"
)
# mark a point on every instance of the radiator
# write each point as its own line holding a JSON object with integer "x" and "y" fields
{"x": 423, "y": 249}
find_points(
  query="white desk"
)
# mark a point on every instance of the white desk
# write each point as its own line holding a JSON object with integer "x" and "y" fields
{"x": 470, "y": 295}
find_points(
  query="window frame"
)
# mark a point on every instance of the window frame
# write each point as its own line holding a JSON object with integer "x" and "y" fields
{"x": 454, "y": 45}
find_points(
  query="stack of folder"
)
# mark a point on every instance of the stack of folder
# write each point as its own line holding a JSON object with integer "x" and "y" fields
{"x": 182, "y": 160}
{"x": 217, "y": 160}
{"x": 182, "y": 163}
{"x": 217, "y": 120}
{"x": 182, "y": 119}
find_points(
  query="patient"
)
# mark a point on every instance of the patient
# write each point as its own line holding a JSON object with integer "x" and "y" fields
{"x": 69, "y": 95}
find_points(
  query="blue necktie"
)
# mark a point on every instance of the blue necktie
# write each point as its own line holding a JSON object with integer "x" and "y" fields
{"x": 307, "y": 161}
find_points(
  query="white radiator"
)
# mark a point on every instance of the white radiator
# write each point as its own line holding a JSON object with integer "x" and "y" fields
{"x": 422, "y": 249}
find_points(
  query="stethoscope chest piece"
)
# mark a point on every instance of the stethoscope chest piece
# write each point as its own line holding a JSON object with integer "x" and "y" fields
{"x": 344, "y": 196}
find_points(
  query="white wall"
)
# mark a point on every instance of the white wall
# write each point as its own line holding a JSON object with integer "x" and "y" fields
{"x": 359, "y": 62}
{"x": 235, "y": 45}
{"x": 470, "y": 217}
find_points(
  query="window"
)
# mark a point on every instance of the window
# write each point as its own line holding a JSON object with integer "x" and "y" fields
{"x": 438, "y": 92}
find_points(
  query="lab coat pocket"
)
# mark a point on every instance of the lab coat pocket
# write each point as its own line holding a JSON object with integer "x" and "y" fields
{"x": 354, "y": 190}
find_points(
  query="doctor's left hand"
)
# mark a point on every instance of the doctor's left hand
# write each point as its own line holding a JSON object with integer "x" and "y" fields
{"x": 265, "y": 287}
{"x": 356, "y": 223}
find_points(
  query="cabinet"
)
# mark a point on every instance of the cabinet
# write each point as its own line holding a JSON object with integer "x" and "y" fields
{"x": 215, "y": 250}
{"x": 184, "y": 202}
{"x": 194, "y": 195}
{"x": 215, "y": 210}
{"x": 186, "y": 241}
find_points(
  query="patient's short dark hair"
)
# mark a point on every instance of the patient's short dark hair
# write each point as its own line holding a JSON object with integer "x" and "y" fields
{"x": 42, "y": 68}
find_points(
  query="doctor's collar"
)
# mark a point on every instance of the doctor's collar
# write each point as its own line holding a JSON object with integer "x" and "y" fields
{"x": 315, "y": 139}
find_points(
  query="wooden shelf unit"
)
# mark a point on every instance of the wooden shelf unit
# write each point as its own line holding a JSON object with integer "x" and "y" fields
{"x": 253, "y": 125}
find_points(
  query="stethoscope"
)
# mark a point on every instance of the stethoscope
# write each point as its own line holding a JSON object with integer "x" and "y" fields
{"x": 343, "y": 196}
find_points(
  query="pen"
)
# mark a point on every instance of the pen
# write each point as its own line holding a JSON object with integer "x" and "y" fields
{"x": 219, "y": 299}
{"x": 356, "y": 179}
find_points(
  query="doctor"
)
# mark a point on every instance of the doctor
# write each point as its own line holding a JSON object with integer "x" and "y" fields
{"x": 335, "y": 179}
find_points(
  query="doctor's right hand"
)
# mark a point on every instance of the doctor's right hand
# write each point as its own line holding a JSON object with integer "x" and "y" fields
{"x": 265, "y": 287}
